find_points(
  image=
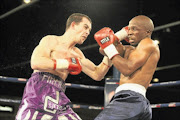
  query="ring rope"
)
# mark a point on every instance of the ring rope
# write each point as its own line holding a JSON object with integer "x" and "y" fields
{"x": 165, "y": 84}
{"x": 70, "y": 85}
{"x": 152, "y": 85}
{"x": 160, "y": 105}
{"x": 165, "y": 105}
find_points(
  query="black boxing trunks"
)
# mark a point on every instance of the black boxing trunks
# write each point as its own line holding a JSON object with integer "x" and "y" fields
{"x": 128, "y": 103}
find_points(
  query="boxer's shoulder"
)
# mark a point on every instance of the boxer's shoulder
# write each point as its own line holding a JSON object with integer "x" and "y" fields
{"x": 49, "y": 40}
{"x": 128, "y": 47}
{"x": 78, "y": 52}
{"x": 147, "y": 44}
{"x": 49, "y": 37}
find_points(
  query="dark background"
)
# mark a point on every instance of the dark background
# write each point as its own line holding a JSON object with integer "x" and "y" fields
{"x": 21, "y": 32}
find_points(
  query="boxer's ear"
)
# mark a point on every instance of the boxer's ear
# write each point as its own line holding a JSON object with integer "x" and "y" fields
{"x": 73, "y": 24}
{"x": 149, "y": 31}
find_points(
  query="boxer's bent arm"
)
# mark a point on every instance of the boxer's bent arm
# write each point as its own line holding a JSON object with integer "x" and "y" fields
{"x": 135, "y": 60}
{"x": 41, "y": 59}
{"x": 96, "y": 72}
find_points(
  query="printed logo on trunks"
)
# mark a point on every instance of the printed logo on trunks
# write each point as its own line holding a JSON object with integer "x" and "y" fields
{"x": 51, "y": 104}
{"x": 104, "y": 40}
{"x": 55, "y": 82}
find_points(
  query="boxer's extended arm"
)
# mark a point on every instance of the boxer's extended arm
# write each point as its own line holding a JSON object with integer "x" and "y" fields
{"x": 96, "y": 72}
{"x": 136, "y": 59}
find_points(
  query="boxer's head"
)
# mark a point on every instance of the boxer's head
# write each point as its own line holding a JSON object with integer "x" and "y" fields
{"x": 81, "y": 24}
{"x": 140, "y": 27}
{"x": 77, "y": 18}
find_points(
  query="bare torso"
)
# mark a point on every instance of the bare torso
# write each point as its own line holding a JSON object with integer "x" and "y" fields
{"x": 61, "y": 51}
{"x": 142, "y": 75}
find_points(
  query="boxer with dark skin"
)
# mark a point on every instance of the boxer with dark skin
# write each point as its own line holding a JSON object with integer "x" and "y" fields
{"x": 137, "y": 63}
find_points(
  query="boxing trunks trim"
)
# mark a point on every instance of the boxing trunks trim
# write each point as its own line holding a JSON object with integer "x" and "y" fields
{"x": 52, "y": 79}
{"x": 133, "y": 87}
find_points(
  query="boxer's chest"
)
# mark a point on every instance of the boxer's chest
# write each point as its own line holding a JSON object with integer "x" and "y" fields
{"x": 61, "y": 52}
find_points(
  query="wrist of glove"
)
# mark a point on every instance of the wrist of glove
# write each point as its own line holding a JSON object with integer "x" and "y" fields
{"x": 111, "y": 51}
{"x": 107, "y": 62}
{"x": 123, "y": 34}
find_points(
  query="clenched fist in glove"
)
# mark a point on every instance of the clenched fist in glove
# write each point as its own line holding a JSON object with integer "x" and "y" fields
{"x": 105, "y": 38}
{"x": 71, "y": 64}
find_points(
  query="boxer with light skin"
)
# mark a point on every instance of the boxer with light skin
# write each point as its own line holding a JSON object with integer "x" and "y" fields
{"x": 137, "y": 63}
{"x": 52, "y": 61}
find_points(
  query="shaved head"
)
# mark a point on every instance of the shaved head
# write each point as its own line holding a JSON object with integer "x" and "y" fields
{"x": 140, "y": 27}
{"x": 144, "y": 21}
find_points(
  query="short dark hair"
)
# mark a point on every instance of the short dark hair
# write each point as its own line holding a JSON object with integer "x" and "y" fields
{"x": 77, "y": 18}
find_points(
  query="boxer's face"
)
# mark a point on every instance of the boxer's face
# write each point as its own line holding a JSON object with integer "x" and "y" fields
{"x": 136, "y": 33}
{"x": 83, "y": 30}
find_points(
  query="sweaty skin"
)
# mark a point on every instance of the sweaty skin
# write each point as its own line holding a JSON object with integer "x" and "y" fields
{"x": 61, "y": 47}
{"x": 140, "y": 58}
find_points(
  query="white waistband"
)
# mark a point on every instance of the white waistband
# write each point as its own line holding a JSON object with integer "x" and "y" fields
{"x": 133, "y": 87}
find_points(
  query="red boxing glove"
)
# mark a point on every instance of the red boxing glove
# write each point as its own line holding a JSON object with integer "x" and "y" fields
{"x": 71, "y": 64}
{"x": 105, "y": 38}
{"x": 74, "y": 66}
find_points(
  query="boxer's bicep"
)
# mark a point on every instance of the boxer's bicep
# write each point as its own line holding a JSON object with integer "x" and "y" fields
{"x": 95, "y": 72}
{"x": 87, "y": 65}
